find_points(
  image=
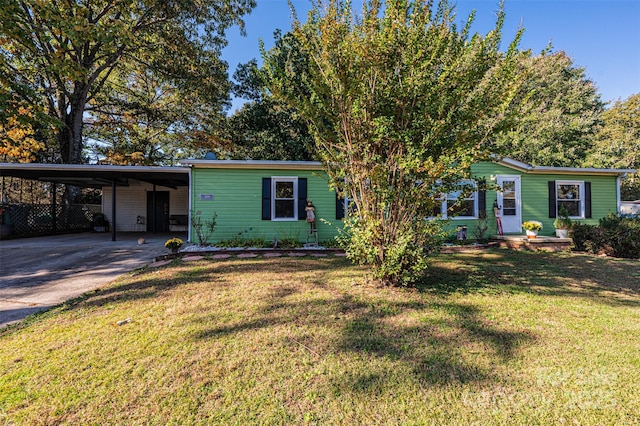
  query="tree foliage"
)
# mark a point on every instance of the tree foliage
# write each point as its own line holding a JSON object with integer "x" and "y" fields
{"x": 617, "y": 144}
{"x": 64, "y": 56}
{"x": 143, "y": 118}
{"x": 559, "y": 111}
{"x": 266, "y": 128}
{"x": 17, "y": 138}
{"x": 400, "y": 102}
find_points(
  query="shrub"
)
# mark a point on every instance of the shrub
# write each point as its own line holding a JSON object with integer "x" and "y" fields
{"x": 289, "y": 242}
{"x": 203, "y": 229}
{"x": 614, "y": 236}
{"x": 238, "y": 241}
{"x": 404, "y": 262}
{"x": 589, "y": 238}
{"x": 622, "y": 234}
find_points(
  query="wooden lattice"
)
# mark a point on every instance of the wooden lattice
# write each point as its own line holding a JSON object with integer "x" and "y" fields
{"x": 29, "y": 220}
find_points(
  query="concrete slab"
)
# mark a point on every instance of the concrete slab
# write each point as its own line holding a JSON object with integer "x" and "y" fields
{"x": 39, "y": 273}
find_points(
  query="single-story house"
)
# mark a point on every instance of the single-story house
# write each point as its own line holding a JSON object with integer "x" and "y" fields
{"x": 263, "y": 199}
{"x": 266, "y": 199}
{"x": 538, "y": 193}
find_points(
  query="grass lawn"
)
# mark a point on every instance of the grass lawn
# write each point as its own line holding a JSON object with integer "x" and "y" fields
{"x": 500, "y": 337}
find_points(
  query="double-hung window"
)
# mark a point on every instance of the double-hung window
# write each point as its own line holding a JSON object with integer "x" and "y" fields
{"x": 571, "y": 196}
{"x": 461, "y": 203}
{"x": 284, "y": 198}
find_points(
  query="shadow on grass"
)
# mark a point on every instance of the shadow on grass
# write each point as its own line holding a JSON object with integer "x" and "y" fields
{"x": 428, "y": 339}
{"x": 435, "y": 349}
{"x": 606, "y": 280}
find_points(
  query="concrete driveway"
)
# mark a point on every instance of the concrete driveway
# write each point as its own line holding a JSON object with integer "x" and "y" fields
{"x": 38, "y": 273}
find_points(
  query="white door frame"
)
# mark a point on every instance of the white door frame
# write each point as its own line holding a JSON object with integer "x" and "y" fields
{"x": 511, "y": 223}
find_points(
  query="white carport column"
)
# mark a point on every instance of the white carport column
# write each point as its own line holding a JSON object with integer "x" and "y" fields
{"x": 113, "y": 209}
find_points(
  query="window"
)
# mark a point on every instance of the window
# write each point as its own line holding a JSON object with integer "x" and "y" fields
{"x": 571, "y": 196}
{"x": 461, "y": 204}
{"x": 284, "y": 199}
{"x": 509, "y": 198}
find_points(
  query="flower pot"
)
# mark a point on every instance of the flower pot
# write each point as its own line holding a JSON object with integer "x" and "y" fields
{"x": 532, "y": 234}
{"x": 562, "y": 233}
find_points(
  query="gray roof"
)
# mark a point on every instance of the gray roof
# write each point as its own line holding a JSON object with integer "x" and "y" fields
{"x": 97, "y": 175}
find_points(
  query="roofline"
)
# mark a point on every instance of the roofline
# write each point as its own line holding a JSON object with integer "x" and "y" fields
{"x": 253, "y": 164}
{"x": 92, "y": 167}
{"x": 527, "y": 168}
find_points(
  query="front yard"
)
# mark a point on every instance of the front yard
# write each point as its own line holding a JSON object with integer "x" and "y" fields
{"x": 497, "y": 337}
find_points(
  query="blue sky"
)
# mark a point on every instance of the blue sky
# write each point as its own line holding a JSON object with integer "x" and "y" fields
{"x": 602, "y": 36}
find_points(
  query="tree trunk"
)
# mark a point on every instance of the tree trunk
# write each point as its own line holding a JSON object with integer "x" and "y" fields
{"x": 70, "y": 137}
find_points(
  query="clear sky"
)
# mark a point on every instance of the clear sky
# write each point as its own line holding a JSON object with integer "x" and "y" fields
{"x": 603, "y": 36}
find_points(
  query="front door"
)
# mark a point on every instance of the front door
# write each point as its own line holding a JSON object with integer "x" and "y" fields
{"x": 158, "y": 211}
{"x": 510, "y": 204}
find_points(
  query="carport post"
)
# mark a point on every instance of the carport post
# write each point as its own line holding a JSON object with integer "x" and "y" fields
{"x": 53, "y": 208}
{"x": 113, "y": 210}
{"x": 153, "y": 209}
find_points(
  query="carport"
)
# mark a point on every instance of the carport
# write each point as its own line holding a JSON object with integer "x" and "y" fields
{"x": 106, "y": 177}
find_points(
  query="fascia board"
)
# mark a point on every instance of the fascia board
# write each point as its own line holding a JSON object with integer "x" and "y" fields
{"x": 253, "y": 164}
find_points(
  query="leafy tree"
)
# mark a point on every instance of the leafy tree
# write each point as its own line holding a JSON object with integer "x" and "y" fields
{"x": 265, "y": 128}
{"x": 559, "y": 113}
{"x": 17, "y": 142}
{"x": 400, "y": 102}
{"x": 144, "y": 118}
{"x": 63, "y": 54}
{"x": 617, "y": 143}
{"x": 269, "y": 130}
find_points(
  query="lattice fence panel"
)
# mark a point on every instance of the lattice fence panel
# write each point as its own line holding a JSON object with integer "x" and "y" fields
{"x": 29, "y": 220}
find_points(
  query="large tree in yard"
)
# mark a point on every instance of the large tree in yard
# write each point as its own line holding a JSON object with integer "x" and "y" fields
{"x": 266, "y": 128}
{"x": 558, "y": 113}
{"x": 617, "y": 143}
{"x": 400, "y": 101}
{"x": 68, "y": 56}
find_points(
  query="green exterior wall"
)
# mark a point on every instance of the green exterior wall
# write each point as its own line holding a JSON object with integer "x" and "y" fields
{"x": 238, "y": 204}
{"x": 535, "y": 196}
{"x": 238, "y": 201}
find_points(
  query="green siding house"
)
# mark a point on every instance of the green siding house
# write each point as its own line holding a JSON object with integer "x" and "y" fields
{"x": 266, "y": 199}
{"x": 523, "y": 192}
{"x": 263, "y": 199}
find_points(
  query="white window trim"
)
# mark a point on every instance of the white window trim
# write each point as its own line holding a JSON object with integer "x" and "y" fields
{"x": 580, "y": 184}
{"x": 445, "y": 197}
{"x": 275, "y": 179}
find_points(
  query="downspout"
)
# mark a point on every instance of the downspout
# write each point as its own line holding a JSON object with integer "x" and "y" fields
{"x": 618, "y": 196}
{"x": 190, "y": 206}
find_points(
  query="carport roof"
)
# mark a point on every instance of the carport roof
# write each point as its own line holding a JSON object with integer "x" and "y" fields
{"x": 97, "y": 175}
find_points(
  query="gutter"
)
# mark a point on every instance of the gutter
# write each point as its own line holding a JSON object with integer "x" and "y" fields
{"x": 253, "y": 164}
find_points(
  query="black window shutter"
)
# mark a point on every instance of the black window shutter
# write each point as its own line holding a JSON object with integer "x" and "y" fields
{"x": 552, "y": 198}
{"x": 587, "y": 199}
{"x": 339, "y": 207}
{"x": 266, "y": 198}
{"x": 302, "y": 198}
{"x": 482, "y": 204}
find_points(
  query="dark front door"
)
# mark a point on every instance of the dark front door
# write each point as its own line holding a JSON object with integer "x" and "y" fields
{"x": 158, "y": 211}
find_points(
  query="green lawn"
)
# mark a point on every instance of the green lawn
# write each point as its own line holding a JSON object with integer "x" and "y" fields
{"x": 499, "y": 337}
